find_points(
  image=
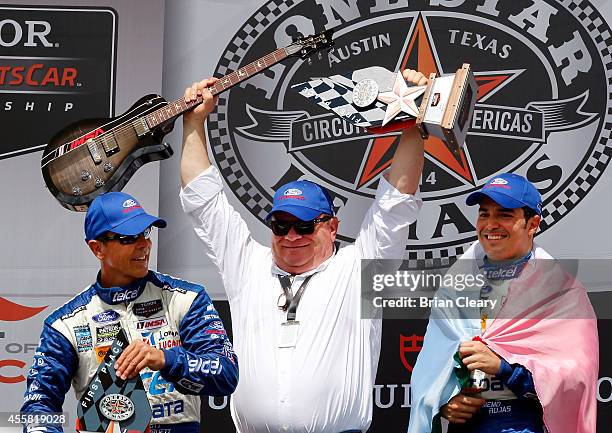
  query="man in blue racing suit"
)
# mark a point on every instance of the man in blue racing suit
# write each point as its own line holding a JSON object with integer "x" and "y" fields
{"x": 178, "y": 343}
{"x": 508, "y": 217}
{"x": 507, "y": 400}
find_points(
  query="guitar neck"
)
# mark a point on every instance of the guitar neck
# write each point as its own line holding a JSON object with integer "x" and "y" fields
{"x": 178, "y": 107}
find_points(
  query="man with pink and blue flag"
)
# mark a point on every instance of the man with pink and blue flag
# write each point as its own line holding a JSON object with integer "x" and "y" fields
{"x": 527, "y": 360}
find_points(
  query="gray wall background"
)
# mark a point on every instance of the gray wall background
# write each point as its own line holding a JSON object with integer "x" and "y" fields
{"x": 43, "y": 258}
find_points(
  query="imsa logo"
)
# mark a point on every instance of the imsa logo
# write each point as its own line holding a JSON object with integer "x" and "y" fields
{"x": 543, "y": 69}
{"x": 151, "y": 324}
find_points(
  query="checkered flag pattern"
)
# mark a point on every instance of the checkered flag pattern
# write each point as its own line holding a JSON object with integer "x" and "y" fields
{"x": 106, "y": 382}
{"x": 336, "y": 94}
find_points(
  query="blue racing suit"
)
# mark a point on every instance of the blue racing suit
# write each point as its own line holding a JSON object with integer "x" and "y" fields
{"x": 522, "y": 414}
{"x": 511, "y": 403}
{"x": 173, "y": 315}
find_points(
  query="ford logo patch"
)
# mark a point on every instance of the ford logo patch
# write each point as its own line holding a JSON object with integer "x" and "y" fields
{"x": 106, "y": 316}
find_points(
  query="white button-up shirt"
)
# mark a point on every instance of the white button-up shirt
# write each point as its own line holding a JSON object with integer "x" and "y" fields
{"x": 324, "y": 383}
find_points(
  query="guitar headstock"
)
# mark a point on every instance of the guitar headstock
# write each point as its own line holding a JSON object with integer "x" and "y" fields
{"x": 306, "y": 45}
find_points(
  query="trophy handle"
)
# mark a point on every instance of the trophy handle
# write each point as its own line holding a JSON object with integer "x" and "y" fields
{"x": 424, "y": 103}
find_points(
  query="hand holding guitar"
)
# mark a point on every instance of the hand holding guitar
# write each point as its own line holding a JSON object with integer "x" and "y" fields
{"x": 94, "y": 156}
{"x": 199, "y": 92}
{"x": 194, "y": 157}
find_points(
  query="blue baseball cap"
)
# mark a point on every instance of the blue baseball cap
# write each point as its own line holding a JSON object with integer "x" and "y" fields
{"x": 119, "y": 213}
{"x": 509, "y": 190}
{"x": 303, "y": 199}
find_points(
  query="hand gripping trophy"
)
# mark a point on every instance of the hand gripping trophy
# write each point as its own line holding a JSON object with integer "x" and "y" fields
{"x": 381, "y": 101}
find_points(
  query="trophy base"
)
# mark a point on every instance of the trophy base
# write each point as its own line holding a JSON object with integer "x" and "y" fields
{"x": 447, "y": 107}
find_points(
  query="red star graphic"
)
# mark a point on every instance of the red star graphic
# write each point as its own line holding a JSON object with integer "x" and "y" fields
{"x": 420, "y": 56}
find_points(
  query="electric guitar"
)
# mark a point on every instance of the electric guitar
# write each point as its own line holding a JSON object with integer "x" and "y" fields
{"x": 93, "y": 156}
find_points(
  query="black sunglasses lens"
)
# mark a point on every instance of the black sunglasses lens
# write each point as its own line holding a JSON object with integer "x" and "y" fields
{"x": 301, "y": 227}
{"x": 128, "y": 239}
{"x": 131, "y": 239}
{"x": 304, "y": 227}
{"x": 280, "y": 229}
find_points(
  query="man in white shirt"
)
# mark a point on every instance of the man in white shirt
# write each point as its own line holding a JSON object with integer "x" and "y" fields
{"x": 308, "y": 359}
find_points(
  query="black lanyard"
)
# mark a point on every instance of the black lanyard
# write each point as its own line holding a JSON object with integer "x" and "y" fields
{"x": 291, "y": 301}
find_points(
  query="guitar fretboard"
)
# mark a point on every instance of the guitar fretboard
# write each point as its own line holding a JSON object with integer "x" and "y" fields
{"x": 178, "y": 107}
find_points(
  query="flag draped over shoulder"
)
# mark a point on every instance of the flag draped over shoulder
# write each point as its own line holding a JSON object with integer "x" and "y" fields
{"x": 546, "y": 324}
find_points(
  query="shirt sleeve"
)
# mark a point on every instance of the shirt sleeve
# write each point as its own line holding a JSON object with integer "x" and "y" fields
{"x": 205, "y": 363}
{"x": 517, "y": 378}
{"x": 385, "y": 227}
{"x": 225, "y": 234}
{"x": 55, "y": 363}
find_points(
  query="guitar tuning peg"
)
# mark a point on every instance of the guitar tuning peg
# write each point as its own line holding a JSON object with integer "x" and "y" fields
{"x": 309, "y": 60}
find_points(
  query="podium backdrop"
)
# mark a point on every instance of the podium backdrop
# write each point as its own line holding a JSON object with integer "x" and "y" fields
{"x": 544, "y": 74}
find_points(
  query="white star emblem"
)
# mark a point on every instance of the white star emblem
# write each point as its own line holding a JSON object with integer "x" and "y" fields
{"x": 401, "y": 98}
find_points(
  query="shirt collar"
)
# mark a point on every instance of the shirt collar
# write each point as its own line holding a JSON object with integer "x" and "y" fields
{"x": 505, "y": 270}
{"x": 117, "y": 295}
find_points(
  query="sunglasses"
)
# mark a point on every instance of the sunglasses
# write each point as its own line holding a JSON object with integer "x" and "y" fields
{"x": 126, "y": 239}
{"x": 281, "y": 228}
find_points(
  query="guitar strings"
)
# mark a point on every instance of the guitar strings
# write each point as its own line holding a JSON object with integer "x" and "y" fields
{"x": 121, "y": 129}
{"x": 127, "y": 126}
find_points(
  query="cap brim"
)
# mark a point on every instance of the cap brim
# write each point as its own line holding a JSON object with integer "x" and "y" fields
{"x": 501, "y": 199}
{"x": 138, "y": 224}
{"x": 303, "y": 213}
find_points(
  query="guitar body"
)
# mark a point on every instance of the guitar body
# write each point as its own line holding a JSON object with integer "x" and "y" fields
{"x": 94, "y": 156}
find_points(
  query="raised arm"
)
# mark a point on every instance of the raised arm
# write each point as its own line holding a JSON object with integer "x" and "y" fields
{"x": 194, "y": 159}
{"x": 407, "y": 165}
{"x": 384, "y": 231}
